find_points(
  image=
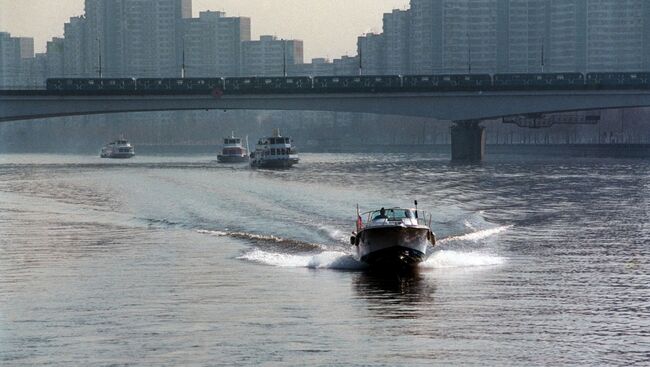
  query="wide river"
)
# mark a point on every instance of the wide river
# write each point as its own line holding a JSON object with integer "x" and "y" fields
{"x": 177, "y": 260}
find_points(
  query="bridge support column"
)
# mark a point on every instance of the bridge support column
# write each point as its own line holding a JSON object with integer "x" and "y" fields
{"x": 467, "y": 141}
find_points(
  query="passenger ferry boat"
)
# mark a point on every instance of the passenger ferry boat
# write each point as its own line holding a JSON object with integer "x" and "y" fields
{"x": 274, "y": 152}
{"x": 119, "y": 148}
{"x": 393, "y": 237}
{"x": 233, "y": 151}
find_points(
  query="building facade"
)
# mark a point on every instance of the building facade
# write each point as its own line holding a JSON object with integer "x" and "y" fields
{"x": 397, "y": 38}
{"x": 372, "y": 53}
{"x": 136, "y": 37}
{"x": 16, "y": 59}
{"x": 270, "y": 56}
{"x": 212, "y": 44}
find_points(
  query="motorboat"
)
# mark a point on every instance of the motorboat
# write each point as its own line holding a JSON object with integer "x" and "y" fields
{"x": 120, "y": 148}
{"x": 393, "y": 237}
{"x": 275, "y": 151}
{"x": 233, "y": 151}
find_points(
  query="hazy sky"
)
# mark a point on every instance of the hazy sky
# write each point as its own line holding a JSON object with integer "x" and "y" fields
{"x": 329, "y": 28}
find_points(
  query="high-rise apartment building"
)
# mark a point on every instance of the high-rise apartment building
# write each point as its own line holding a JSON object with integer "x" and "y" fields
{"x": 15, "y": 55}
{"x": 270, "y": 56}
{"x": 617, "y": 35}
{"x": 522, "y": 42}
{"x": 372, "y": 53}
{"x": 75, "y": 49}
{"x": 55, "y": 58}
{"x": 397, "y": 38}
{"x": 212, "y": 44}
{"x": 136, "y": 37}
{"x": 453, "y": 36}
{"x": 529, "y": 35}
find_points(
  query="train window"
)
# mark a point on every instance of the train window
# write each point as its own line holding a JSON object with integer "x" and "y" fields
{"x": 633, "y": 76}
{"x": 289, "y": 81}
{"x": 425, "y": 78}
{"x": 335, "y": 80}
{"x": 268, "y": 81}
{"x": 247, "y": 81}
{"x": 377, "y": 79}
{"x": 91, "y": 82}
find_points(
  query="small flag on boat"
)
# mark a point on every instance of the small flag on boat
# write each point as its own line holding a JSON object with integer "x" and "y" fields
{"x": 359, "y": 220}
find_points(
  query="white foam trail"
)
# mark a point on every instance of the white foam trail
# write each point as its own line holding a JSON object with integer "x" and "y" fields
{"x": 455, "y": 259}
{"x": 476, "y": 236}
{"x": 213, "y": 233}
{"x": 324, "y": 260}
{"x": 333, "y": 233}
{"x": 251, "y": 236}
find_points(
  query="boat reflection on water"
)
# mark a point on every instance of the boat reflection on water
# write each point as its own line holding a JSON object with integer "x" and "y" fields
{"x": 399, "y": 294}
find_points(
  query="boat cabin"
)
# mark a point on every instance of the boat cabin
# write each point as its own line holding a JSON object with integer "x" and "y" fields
{"x": 393, "y": 216}
{"x": 232, "y": 141}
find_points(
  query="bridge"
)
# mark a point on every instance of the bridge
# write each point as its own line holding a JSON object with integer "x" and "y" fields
{"x": 466, "y": 109}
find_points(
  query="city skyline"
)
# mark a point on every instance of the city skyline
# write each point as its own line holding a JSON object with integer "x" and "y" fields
{"x": 333, "y": 37}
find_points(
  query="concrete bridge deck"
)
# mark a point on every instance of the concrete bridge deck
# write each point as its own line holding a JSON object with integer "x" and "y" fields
{"x": 455, "y": 106}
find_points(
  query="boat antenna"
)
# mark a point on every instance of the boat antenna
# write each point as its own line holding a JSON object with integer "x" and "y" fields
{"x": 416, "y": 209}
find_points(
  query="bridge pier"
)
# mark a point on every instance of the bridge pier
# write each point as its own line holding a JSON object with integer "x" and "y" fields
{"x": 467, "y": 141}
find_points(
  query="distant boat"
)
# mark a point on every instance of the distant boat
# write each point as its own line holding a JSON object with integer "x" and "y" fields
{"x": 393, "y": 237}
{"x": 233, "y": 151}
{"x": 119, "y": 148}
{"x": 275, "y": 151}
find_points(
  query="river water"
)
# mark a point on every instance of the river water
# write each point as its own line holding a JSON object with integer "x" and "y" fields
{"x": 176, "y": 260}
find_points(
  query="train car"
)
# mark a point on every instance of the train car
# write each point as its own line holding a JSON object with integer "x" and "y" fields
{"x": 444, "y": 83}
{"x": 539, "y": 81}
{"x": 300, "y": 84}
{"x": 618, "y": 81}
{"x": 382, "y": 83}
{"x": 91, "y": 85}
{"x": 241, "y": 85}
{"x": 179, "y": 85}
{"x": 365, "y": 84}
{"x": 153, "y": 85}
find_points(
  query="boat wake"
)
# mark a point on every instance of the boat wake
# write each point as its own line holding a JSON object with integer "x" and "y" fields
{"x": 445, "y": 259}
{"x": 475, "y": 236}
{"x": 269, "y": 241}
{"x": 289, "y": 253}
{"x": 324, "y": 260}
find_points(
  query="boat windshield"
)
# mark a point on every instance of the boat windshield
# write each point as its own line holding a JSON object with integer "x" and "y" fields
{"x": 396, "y": 215}
{"x": 392, "y": 214}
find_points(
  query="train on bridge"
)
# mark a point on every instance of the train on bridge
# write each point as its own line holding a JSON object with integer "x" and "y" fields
{"x": 350, "y": 84}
